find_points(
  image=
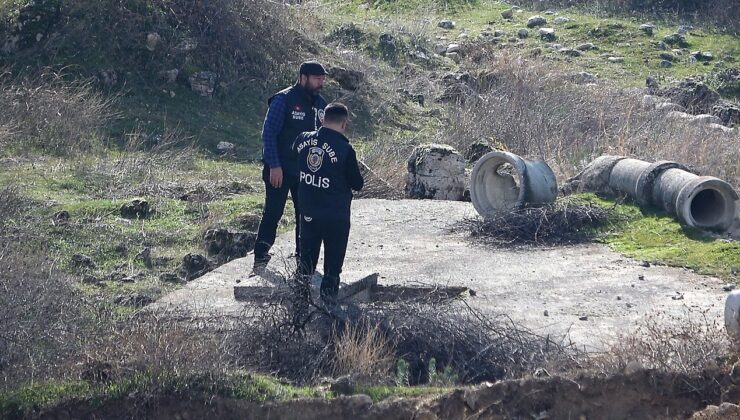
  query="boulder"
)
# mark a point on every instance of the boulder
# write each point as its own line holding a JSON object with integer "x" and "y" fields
{"x": 536, "y": 21}
{"x": 615, "y": 59}
{"x": 226, "y": 148}
{"x": 136, "y": 209}
{"x": 452, "y": 48}
{"x": 702, "y": 55}
{"x": 82, "y": 261}
{"x": 665, "y": 64}
{"x": 108, "y": 78}
{"x": 136, "y": 300}
{"x": 548, "y": 34}
{"x": 226, "y": 245}
{"x": 676, "y": 39}
{"x": 586, "y": 47}
{"x": 435, "y": 171}
{"x": 669, "y": 107}
{"x": 647, "y": 28}
{"x": 560, "y": 20}
{"x": 170, "y": 76}
{"x": 522, "y": 33}
{"x": 194, "y": 266}
{"x": 706, "y": 119}
{"x": 693, "y": 95}
{"x": 728, "y": 113}
{"x": 347, "y": 79}
{"x": 476, "y": 150}
{"x": 446, "y": 24}
{"x": 508, "y": 14}
{"x": 153, "y": 40}
{"x": 583, "y": 78}
{"x": 203, "y": 83}
{"x": 387, "y": 46}
{"x": 570, "y": 52}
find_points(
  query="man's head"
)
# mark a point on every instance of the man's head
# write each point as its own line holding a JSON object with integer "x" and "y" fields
{"x": 336, "y": 116}
{"x": 311, "y": 76}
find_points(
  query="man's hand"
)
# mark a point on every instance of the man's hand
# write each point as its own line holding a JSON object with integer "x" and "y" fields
{"x": 276, "y": 177}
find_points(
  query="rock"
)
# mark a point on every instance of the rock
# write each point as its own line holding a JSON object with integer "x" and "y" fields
{"x": 615, "y": 59}
{"x": 187, "y": 45}
{"x": 723, "y": 412}
{"x": 226, "y": 148}
{"x": 169, "y": 277}
{"x": 476, "y": 150}
{"x": 454, "y": 57}
{"x": 145, "y": 256}
{"x": 446, "y": 24}
{"x": 136, "y": 209}
{"x": 435, "y": 171}
{"x": 560, "y": 20}
{"x": 548, "y": 34}
{"x": 452, "y": 48}
{"x": 570, "y": 52}
{"x": 702, "y": 55}
{"x": 440, "y": 49}
{"x": 499, "y": 33}
{"x": 226, "y": 245}
{"x": 347, "y": 33}
{"x": 728, "y": 288}
{"x": 735, "y": 373}
{"x": 684, "y": 29}
{"x": 583, "y": 78}
{"x": 347, "y": 79}
{"x": 647, "y": 28}
{"x": 676, "y": 39}
{"x": 669, "y": 107}
{"x": 706, "y": 119}
{"x": 82, "y": 261}
{"x": 60, "y": 217}
{"x": 203, "y": 83}
{"x": 693, "y": 95}
{"x": 667, "y": 56}
{"x": 541, "y": 373}
{"x": 136, "y": 300}
{"x": 387, "y": 46}
{"x": 665, "y": 64}
{"x": 195, "y": 265}
{"x": 719, "y": 128}
{"x": 586, "y": 47}
{"x": 522, "y": 33}
{"x": 583, "y": 318}
{"x": 170, "y": 76}
{"x": 90, "y": 279}
{"x": 536, "y": 21}
{"x": 344, "y": 385}
{"x": 546, "y": 313}
{"x": 462, "y": 35}
{"x": 507, "y": 14}
{"x": 728, "y": 113}
{"x": 152, "y": 41}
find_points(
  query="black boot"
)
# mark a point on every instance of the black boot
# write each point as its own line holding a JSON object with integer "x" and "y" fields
{"x": 329, "y": 290}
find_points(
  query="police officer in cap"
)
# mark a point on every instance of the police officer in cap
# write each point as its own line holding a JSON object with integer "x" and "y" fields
{"x": 291, "y": 112}
{"x": 328, "y": 172}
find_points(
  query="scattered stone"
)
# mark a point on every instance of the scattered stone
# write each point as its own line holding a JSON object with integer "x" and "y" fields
{"x": 499, "y": 33}
{"x": 586, "y": 47}
{"x": 195, "y": 265}
{"x": 728, "y": 112}
{"x": 693, "y": 95}
{"x": 735, "y": 373}
{"x": 136, "y": 209}
{"x": 667, "y": 56}
{"x": 60, "y": 218}
{"x": 108, "y": 78}
{"x": 152, "y": 41}
{"x": 548, "y": 34}
{"x": 226, "y": 148}
{"x": 145, "y": 255}
{"x": 546, "y": 313}
{"x": 706, "y": 119}
{"x": 454, "y": 56}
{"x": 661, "y": 45}
{"x": 347, "y": 79}
{"x": 344, "y": 385}
{"x": 550, "y": 12}
{"x": 560, "y": 20}
{"x": 619, "y": 297}
{"x": 541, "y": 373}
{"x": 583, "y": 318}
{"x": 387, "y": 46}
{"x": 226, "y": 245}
{"x": 641, "y": 277}
{"x": 684, "y": 29}
{"x": 583, "y": 78}
{"x": 677, "y": 296}
{"x": 647, "y": 28}
{"x": 669, "y": 107}
{"x": 435, "y": 171}
{"x": 170, "y": 277}
{"x": 644, "y": 263}
{"x": 570, "y": 52}
{"x": 616, "y": 59}
{"x": 702, "y": 55}
{"x": 728, "y": 288}
{"x": 676, "y": 39}
{"x": 463, "y": 35}
{"x": 522, "y": 33}
{"x": 82, "y": 261}
{"x": 136, "y": 300}
{"x": 508, "y": 14}
{"x": 90, "y": 279}
{"x": 665, "y": 64}
{"x": 446, "y": 24}
{"x": 536, "y": 21}
{"x": 170, "y": 76}
{"x": 187, "y": 44}
{"x": 452, "y": 48}
{"x": 203, "y": 83}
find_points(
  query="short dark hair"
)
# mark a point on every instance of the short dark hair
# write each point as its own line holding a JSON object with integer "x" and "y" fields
{"x": 336, "y": 112}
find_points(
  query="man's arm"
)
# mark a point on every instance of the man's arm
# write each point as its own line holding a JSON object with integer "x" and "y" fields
{"x": 354, "y": 177}
{"x": 274, "y": 120}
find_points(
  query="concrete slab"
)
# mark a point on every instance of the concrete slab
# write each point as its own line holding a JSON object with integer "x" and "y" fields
{"x": 409, "y": 242}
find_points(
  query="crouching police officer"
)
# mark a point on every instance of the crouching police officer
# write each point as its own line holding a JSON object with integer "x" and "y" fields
{"x": 328, "y": 172}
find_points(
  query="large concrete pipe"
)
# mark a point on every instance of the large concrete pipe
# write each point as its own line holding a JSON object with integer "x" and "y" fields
{"x": 502, "y": 181}
{"x": 699, "y": 201}
{"x": 732, "y": 315}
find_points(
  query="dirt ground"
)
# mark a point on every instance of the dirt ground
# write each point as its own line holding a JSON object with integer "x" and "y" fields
{"x": 586, "y": 293}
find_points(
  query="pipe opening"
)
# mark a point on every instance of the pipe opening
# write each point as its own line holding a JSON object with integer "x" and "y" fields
{"x": 501, "y": 185}
{"x": 708, "y": 208}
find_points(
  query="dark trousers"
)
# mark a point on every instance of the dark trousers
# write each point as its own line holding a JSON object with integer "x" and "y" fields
{"x": 275, "y": 199}
{"x": 334, "y": 234}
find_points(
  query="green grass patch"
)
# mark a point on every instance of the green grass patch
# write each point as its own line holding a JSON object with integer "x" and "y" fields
{"x": 382, "y": 392}
{"x": 657, "y": 237}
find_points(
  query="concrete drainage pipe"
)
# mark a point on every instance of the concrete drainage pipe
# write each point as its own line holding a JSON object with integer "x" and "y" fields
{"x": 502, "y": 181}
{"x": 699, "y": 201}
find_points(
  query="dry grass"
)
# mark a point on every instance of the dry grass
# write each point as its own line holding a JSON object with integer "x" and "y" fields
{"x": 49, "y": 114}
{"x": 363, "y": 352}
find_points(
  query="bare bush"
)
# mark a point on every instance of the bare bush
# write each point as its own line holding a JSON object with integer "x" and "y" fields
{"x": 46, "y": 113}
{"x": 564, "y": 222}
{"x": 684, "y": 344}
{"x": 532, "y": 108}
{"x": 363, "y": 352}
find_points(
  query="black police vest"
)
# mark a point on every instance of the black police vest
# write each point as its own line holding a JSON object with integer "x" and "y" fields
{"x": 323, "y": 189}
{"x": 300, "y": 115}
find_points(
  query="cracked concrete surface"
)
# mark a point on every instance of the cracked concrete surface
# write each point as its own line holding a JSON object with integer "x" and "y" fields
{"x": 410, "y": 241}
